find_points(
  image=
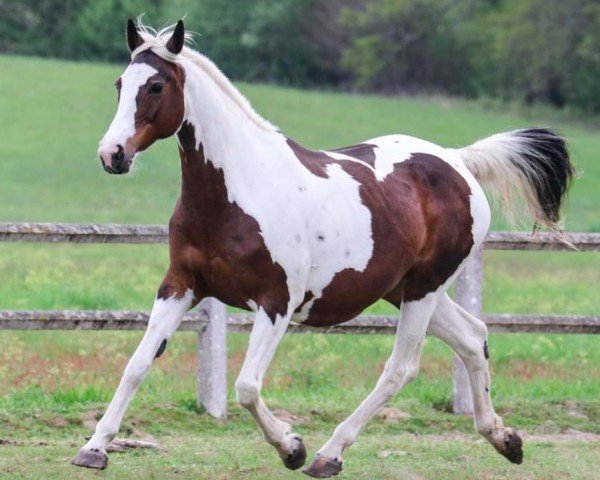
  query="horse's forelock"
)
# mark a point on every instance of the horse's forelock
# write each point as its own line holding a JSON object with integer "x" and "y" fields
{"x": 156, "y": 41}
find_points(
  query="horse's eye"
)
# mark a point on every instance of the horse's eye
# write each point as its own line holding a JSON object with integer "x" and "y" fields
{"x": 156, "y": 88}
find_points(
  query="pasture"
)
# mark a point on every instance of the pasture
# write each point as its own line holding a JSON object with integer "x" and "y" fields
{"x": 54, "y": 384}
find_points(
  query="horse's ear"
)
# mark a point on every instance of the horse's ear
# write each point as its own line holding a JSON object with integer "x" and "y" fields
{"x": 175, "y": 43}
{"x": 134, "y": 39}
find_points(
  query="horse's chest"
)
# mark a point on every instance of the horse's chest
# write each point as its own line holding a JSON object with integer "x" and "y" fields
{"x": 229, "y": 260}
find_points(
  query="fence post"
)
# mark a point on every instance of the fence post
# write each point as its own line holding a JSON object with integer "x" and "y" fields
{"x": 468, "y": 293}
{"x": 211, "y": 377}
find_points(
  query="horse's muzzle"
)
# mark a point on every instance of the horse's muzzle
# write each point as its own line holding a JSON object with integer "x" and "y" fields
{"x": 115, "y": 162}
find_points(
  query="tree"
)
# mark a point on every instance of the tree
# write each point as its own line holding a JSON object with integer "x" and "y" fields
{"x": 413, "y": 45}
{"x": 99, "y": 30}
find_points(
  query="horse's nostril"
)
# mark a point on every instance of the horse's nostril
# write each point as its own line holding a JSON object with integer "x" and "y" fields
{"x": 119, "y": 155}
{"x": 107, "y": 168}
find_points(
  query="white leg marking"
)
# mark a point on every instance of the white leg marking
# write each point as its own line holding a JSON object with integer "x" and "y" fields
{"x": 400, "y": 369}
{"x": 264, "y": 339}
{"x": 165, "y": 318}
{"x": 467, "y": 336}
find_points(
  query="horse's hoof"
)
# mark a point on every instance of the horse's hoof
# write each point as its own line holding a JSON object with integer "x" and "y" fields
{"x": 322, "y": 467}
{"x": 91, "y": 459}
{"x": 297, "y": 457}
{"x": 512, "y": 447}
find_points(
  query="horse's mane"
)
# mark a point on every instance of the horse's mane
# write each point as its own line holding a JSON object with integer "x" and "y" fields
{"x": 156, "y": 42}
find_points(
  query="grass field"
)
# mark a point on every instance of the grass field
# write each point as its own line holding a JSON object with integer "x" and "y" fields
{"x": 53, "y": 385}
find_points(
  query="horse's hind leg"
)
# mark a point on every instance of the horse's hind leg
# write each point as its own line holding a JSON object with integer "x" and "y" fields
{"x": 400, "y": 369}
{"x": 467, "y": 336}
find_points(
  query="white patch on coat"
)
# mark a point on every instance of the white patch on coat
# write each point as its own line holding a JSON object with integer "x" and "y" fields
{"x": 394, "y": 149}
{"x": 122, "y": 127}
{"x": 391, "y": 150}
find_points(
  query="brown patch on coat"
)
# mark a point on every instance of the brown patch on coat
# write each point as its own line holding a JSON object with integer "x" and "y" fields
{"x": 446, "y": 209}
{"x": 421, "y": 227}
{"x": 362, "y": 151}
{"x": 174, "y": 285}
{"x": 215, "y": 244}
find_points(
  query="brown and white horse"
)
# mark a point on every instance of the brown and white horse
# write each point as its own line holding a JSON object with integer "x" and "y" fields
{"x": 314, "y": 237}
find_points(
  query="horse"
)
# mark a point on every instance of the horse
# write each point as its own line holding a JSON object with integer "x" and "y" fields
{"x": 315, "y": 236}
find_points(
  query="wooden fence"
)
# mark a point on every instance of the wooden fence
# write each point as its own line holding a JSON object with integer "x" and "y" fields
{"x": 212, "y": 322}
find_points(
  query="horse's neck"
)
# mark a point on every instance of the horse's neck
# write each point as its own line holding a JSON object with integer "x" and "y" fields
{"x": 218, "y": 138}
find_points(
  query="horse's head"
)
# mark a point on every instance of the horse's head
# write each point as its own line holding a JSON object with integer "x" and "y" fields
{"x": 150, "y": 93}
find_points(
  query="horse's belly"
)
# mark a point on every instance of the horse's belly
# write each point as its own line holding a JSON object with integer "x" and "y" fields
{"x": 351, "y": 291}
{"x": 342, "y": 305}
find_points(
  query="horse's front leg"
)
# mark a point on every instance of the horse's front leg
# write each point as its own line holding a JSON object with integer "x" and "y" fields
{"x": 166, "y": 316}
{"x": 264, "y": 339}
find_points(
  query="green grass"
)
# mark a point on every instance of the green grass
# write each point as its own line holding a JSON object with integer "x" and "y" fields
{"x": 53, "y": 114}
{"x": 237, "y": 456}
{"x": 62, "y": 380}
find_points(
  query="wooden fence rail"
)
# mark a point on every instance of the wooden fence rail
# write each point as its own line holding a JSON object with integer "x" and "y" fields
{"x": 115, "y": 233}
{"x": 212, "y": 322}
{"x": 242, "y": 322}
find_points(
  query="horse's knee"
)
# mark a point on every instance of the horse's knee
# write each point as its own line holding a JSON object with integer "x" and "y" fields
{"x": 247, "y": 392}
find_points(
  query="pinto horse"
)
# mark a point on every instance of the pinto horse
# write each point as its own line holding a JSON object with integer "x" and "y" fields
{"x": 315, "y": 237}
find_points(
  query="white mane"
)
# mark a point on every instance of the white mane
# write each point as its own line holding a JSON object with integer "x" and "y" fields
{"x": 156, "y": 42}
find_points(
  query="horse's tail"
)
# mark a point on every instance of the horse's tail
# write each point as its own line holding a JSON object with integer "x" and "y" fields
{"x": 532, "y": 163}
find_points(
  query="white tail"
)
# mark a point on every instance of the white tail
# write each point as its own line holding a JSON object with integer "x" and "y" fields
{"x": 532, "y": 164}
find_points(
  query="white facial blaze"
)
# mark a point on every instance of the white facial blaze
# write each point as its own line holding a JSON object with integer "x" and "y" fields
{"x": 122, "y": 127}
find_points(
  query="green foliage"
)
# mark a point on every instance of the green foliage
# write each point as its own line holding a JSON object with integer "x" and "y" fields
{"x": 545, "y": 51}
{"x": 412, "y": 45}
{"x": 260, "y": 40}
{"x": 39, "y": 27}
{"x": 98, "y": 30}
{"x": 530, "y": 50}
